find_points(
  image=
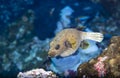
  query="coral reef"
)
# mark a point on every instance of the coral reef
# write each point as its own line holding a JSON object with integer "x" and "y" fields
{"x": 65, "y": 21}
{"x": 10, "y": 11}
{"x": 107, "y": 64}
{"x": 37, "y": 73}
{"x": 108, "y": 23}
{"x": 27, "y": 27}
{"x": 20, "y": 49}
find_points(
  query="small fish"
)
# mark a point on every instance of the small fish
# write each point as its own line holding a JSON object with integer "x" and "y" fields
{"x": 68, "y": 41}
{"x": 51, "y": 11}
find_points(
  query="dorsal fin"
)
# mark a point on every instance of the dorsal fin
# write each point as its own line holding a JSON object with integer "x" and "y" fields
{"x": 80, "y": 28}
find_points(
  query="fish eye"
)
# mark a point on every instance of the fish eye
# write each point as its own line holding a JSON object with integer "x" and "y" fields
{"x": 57, "y": 46}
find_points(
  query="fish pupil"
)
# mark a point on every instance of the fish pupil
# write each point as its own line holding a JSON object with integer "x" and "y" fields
{"x": 57, "y": 46}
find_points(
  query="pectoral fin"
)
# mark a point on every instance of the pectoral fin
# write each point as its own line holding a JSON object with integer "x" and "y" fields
{"x": 84, "y": 44}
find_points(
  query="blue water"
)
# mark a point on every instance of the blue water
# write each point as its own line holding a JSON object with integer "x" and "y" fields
{"x": 44, "y": 24}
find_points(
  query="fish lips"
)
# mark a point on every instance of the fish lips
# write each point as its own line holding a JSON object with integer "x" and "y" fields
{"x": 52, "y": 54}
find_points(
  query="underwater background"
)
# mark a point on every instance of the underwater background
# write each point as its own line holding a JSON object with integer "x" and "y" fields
{"x": 28, "y": 26}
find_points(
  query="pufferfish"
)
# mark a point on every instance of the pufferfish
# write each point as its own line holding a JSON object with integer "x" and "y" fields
{"x": 68, "y": 41}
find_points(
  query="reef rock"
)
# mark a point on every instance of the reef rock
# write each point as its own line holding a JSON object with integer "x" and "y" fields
{"x": 37, "y": 73}
{"x": 106, "y": 65}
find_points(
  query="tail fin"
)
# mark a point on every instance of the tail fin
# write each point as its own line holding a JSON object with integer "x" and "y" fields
{"x": 93, "y": 36}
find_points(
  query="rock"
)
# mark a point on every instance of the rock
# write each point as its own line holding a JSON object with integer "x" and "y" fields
{"x": 37, "y": 73}
{"x": 106, "y": 65}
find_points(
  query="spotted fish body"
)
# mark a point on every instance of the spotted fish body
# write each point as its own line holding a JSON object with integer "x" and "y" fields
{"x": 68, "y": 41}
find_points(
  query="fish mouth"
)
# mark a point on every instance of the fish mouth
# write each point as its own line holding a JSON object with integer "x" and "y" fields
{"x": 52, "y": 54}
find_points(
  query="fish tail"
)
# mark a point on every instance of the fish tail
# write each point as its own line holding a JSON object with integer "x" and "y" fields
{"x": 92, "y": 36}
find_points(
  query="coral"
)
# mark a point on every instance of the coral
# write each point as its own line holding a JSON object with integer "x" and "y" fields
{"x": 90, "y": 52}
{"x": 20, "y": 49}
{"x": 99, "y": 66}
{"x": 60, "y": 65}
{"x": 10, "y": 11}
{"x": 23, "y": 21}
{"x": 109, "y": 59}
{"x": 37, "y": 73}
{"x": 65, "y": 21}
{"x": 65, "y": 14}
